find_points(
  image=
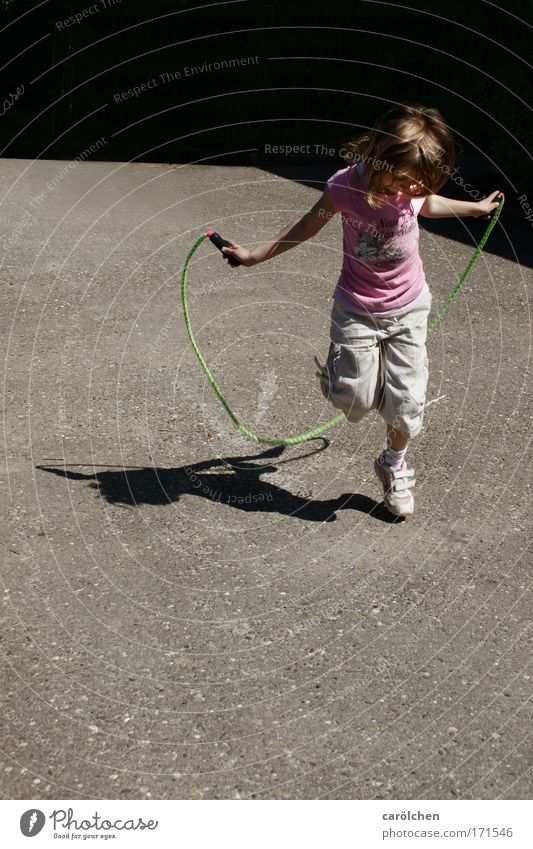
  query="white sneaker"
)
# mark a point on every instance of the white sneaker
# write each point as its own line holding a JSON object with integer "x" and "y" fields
{"x": 396, "y": 487}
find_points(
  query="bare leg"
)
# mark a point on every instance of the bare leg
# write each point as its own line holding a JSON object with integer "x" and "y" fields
{"x": 396, "y": 440}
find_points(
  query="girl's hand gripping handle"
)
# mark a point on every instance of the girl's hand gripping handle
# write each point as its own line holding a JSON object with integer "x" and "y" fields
{"x": 234, "y": 253}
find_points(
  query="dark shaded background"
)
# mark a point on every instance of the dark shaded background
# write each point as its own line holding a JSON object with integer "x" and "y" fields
{"x": 467, "y": 58}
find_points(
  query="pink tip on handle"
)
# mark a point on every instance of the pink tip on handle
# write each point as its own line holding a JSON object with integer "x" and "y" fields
{"x": 210, "y": 233}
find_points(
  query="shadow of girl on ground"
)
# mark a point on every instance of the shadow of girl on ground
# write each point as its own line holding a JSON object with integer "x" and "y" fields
{"x": 237, "y": 484}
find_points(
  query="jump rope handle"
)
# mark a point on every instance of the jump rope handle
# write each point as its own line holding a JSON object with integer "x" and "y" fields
{"x": 498, "y": 199}
{"x": 220, "y": 243}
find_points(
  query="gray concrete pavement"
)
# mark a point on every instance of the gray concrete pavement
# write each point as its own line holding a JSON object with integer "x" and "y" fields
{"x": 186, "y": 615}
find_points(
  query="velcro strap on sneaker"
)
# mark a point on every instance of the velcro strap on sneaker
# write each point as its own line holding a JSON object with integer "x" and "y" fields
{"x": 402, "y": 480}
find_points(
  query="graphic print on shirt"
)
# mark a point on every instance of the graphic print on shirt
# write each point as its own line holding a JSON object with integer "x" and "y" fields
{"x": 372, "y": 248}
{"x": 385, "y": 248}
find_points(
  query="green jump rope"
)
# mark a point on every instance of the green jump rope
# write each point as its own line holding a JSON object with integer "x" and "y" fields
{"x": 219, "y": 242}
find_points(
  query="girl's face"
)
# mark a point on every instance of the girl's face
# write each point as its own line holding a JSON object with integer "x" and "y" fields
{"x": 399, "y": 181}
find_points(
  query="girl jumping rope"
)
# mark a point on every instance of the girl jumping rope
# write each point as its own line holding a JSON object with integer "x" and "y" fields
{"x": 377, "y": 358}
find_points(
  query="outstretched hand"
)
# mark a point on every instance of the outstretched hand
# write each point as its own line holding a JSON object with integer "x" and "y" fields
{"x": 487, "y": 205}
{"x": 238, "y": 252}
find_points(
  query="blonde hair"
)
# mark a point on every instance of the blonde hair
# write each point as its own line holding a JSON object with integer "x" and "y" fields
{"x": 408, "y": 141}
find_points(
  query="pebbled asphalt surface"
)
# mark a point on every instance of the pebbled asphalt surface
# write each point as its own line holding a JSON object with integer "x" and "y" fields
{"x": 187, "y": 615}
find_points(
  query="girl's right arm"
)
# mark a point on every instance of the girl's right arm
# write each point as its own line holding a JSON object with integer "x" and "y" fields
{"x": 296, "y": 231}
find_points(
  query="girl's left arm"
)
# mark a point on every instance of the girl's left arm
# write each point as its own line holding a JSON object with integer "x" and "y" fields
{"x": 436, "y": 206}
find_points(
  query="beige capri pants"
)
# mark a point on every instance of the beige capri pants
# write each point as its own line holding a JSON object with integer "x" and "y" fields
{"x": 364, "y": 350}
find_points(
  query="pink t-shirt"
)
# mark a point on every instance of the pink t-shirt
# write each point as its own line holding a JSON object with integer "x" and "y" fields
{"x": 381, "y": 271}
